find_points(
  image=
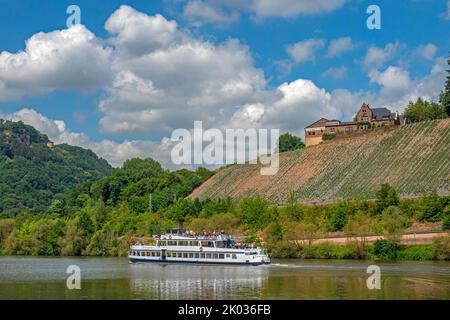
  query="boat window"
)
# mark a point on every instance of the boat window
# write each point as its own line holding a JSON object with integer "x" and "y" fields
{"x": 193, "y": 243}
{"x": 196, "y": 255}
{"x": 215, "y": 256}
{"x": 220, "y": 244}
{"x": 234, "y": 256}
{"x": 179, "y": 255}
{"x": 162, "y": 243}
{"x": 185, "y": 255}
{"x": 147, "y": 254}
{"x": 202, "y": 255}
{"x": 172, "y": 243}
{"x": 227, "y": 256}
{"x": 191, "y": 255}
{"x": 221, "y": 256}
{"x": 208, "y": 256}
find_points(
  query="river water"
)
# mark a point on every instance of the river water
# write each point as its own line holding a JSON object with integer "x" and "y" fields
{"x": 115, "y": 278}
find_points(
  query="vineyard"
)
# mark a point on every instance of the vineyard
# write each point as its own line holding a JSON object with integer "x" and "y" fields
{"x": 414, "y": 159}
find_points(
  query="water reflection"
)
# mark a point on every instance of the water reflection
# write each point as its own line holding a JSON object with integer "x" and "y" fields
{"x": 115, "y": 278}
{"x": 197, "y": 281}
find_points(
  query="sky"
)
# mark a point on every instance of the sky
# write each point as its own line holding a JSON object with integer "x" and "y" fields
{"x": 132, "y": 72}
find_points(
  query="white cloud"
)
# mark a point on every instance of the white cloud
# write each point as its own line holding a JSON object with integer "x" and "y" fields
{"x": 68, "y": 59}
{"x": 170, "y": 84}
{"x": 293, "y": 8}
{"x": 393, "y": 78}
{"x": 200, "y": 12}
{"x": 305, "y": 50}
{"x": 398, "y": 88}
{"x": 335, "y": 73}
{"x": 376, "y": 57}
{"x": 136, "y": 33}
{"x": 115, "y": 153}
{"x": 339, "y": 46}
{"x": 225, "y": 12}
{"x": 427, "y": 51}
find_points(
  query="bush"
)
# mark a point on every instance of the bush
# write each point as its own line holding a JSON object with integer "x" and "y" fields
{"x": 446, "y": 222}
{"x": 416, "y": 252}
{"x": 441, "y": 248}
{"x": 433, "y": 207}
{"x": 385, "y": 250}
{"x": 328, "y": 136}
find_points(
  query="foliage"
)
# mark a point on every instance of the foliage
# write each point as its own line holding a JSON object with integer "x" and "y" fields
{"x": 441, "y": 248}
{"x": 433, "y": 206}
{"x": 33, "y": 176}
{"x": 328, "y": 136}
{"x": 289, "y": 142}
{"x": 385, "y": 249}
{"x": 336, "y": 217}
{"x": 444, "y": 97}
{"x": 387, "y": 196}
{"x": 254, "y": 212}
{"x": 422, "y": 110}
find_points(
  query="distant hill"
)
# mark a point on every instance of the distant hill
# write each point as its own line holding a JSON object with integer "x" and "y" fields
{"x": 34, "y": 172}
{"x": 413, "y": 159}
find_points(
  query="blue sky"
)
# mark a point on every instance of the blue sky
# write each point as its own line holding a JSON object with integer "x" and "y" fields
{"x": 279, "y": 64}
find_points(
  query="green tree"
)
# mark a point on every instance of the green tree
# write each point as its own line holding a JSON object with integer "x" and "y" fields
{"x": 444, "y": 97}
{"x": 385, "y": 249}
{"x": 387, "y": 196}
{"x": 422, "y": 110}
{"x": 254, "y": 212}
{"x": 432, "y": 206}
{"x": 289, "y": 142}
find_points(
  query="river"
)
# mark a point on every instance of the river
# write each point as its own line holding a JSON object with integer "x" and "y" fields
{"x": 115, "y": 278}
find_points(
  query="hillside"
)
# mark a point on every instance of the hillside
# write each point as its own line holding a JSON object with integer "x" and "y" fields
{"x": 33, "y": 172}
{"x": 413, "y": 159}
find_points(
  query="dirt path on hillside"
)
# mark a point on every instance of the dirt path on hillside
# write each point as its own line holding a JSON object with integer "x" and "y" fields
{"x": 412, "y": 238}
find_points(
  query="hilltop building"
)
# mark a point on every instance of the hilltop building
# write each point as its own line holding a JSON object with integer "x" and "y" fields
{"x": 365, "y": 119}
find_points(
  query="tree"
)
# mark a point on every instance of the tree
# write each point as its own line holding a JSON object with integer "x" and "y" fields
{"x": 433, "y": 206}
{"x": 422, "y": 110}
{"x": 444, "y": 98}
{"x": 387, "y": 196}
{"x": 254, "y": 212}
{"x": 289, "y": 142}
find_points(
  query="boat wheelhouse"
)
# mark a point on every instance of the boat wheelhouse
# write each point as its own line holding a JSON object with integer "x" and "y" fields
{"x": 200, "y": 249}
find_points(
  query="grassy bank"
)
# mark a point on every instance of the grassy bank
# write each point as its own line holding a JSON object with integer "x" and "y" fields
{"x": 380, "y": 250}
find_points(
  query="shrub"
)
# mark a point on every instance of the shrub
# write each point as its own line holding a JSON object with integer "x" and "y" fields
{"x": 385, "y": 249}
{"x": 446, "y": 222}
{"x": 416, "y": 252}
{"x": 441, "y": 248}
{"x": 328, "y": 136}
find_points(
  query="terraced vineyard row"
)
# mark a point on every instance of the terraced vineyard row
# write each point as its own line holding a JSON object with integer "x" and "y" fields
{"x": 413, "y": 159}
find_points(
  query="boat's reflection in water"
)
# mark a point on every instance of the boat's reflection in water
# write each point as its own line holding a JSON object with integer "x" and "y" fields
{"x": 178, "y": 281}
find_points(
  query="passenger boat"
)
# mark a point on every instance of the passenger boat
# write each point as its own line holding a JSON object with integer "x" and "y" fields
{"x": 200, "y": 249}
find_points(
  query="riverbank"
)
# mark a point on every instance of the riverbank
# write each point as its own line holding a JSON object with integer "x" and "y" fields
{"x": 380, "y": 249}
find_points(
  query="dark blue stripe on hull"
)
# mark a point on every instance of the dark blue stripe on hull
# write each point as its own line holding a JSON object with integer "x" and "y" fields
{"x": 196, "y": 262}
